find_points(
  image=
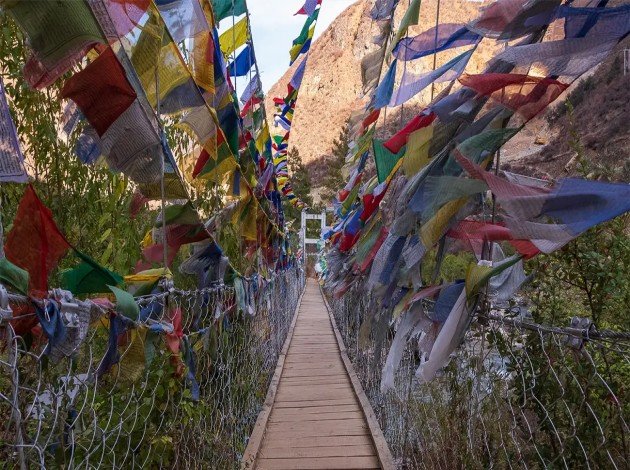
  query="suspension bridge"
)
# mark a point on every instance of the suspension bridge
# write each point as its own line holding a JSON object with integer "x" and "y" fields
{"x": 462, "y": 315}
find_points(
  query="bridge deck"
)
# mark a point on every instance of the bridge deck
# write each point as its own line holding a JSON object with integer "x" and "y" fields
{"x": 316, "y": 419}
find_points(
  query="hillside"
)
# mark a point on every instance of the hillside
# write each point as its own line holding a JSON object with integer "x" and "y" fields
{"x": 594, "y": 125}
{"x": 332, "y": 89}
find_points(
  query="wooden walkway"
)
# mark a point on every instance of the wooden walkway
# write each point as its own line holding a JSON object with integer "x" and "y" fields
{"x": 316, "y": 415}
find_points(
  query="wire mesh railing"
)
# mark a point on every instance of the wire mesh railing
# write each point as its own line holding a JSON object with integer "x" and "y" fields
{"x": 180, "y": 389}
{"x": 516, "y": 394}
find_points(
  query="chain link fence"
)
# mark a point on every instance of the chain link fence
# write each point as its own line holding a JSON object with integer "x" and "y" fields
{"x": 517, "y": 394}
{"x": 181, "y": 389}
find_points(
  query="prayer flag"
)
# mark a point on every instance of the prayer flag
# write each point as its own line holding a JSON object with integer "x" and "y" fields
{"x": 385, "y": 160}
{"x": 437, "y": 39}
{"x": 385, "y": 90}
{"x": 60, "y": 34}
{"x": 225, "y": 8}
{"x": 11, "y": 158}
{"x": 234, "y": 37}
{"x": 523, "y": 94}
{"x": 89, "y": 277}
{"x": 309, "y": 7}
{"x": 184, "y": 19}
{"x": 411, "y": 17}
{"x": 243, "y": 62}
{"x": 34, "y": 243}
{"x": 411, "y": 84}
{"x": 101, "y": 90}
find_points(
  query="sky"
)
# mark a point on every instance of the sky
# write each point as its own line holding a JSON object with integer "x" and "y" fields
{"x": 274, "y": 27}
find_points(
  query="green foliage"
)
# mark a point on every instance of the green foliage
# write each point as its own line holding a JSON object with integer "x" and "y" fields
{"x": 301, "y": 183}
{"x": 452, "y": 267}
{"x": 89, "y": 204}
{"x": 334, "y": 181}
{"x": 590, "y": 277}
{"x": 574, "y": 99}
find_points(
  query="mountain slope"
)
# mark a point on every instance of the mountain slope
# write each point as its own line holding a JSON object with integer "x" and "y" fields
{"x": 332, "y": 87}
{"x": 332, "y": 90}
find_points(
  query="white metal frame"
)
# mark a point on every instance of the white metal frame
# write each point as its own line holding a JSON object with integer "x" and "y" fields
{"x": 311, "y": 241}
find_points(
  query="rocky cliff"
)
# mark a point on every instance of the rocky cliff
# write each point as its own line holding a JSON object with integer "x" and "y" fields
{"x": 332, "y": 90}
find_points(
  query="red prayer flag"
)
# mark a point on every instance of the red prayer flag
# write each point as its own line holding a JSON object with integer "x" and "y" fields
{"x": 399, "y": 140}
{"x": 524, "y": 94}
{"x": 101, "y": 91}
{"x": 370, "y": 119}
{"x": 252, "y": 102}
{"x": 125, "y": 15}
{"x": 476, "y": 230}
{"x": 35, "y": 243}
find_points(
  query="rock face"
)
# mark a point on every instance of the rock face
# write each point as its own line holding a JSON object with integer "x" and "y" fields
{"x": 332, "y": 87}
{"x": 332, "y": 90}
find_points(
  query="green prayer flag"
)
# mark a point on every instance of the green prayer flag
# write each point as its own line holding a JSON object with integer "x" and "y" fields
{"x": 180, "y": 214}
{"x": 88, "y": 277}
{"x": 225, "y": 8}
{"x": 13, "y": 276}
{"x": 439, "y": 190}
{"x": 349, "y": 200}
{"x": 305, "y": 33}
{"x": 57, "y": 30}
{"x": 368, "y": 240}
{"x": 412, "y": 17}
{"x": 479, "y": 147}
{"x": 478, "y": 276}
{"x": 125, "y": 303}
{"x": 258, "y": 118}
{"x": 385, "y": 160}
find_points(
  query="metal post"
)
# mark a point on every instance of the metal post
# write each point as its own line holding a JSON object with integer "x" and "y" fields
{"x": 303, "y": 235}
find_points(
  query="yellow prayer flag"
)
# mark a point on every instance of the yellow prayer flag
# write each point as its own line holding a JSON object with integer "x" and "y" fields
{"x": 262, "y": 138}
{"x": 417, "y": 154}
{"x": 202, "y": 68}
{"x": 431, "y": 231}
{"x": 150, "y": 275}
{"x": 132, "y": 362}
{"x": 234, "y": 37}
{"x": 476, "y": 276}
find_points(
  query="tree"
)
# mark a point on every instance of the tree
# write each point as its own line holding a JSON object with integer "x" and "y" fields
{"x": 300, "y": 182}
{"x": 334, "y": 181}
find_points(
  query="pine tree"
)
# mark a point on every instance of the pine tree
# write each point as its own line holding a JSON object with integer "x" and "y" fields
{"x": 334, "y": 181}
{"x": 300, "y": 181}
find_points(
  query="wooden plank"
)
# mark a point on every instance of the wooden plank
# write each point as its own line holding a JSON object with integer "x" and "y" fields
{"x": 321, "y": 410}
{"x": 303, "y": 393}
{"x": 340, "y": 463}
{"x": 315, "y": 388}
{"x": 365, "y": 450}
{"x": 301, "y": 357}
{"x": 291, "y": 396}
{"x": 329, "y": 379}
{"x": 314, "y": 417}
{"x": 316, "y": 373}
{"x": 314, "y": 366}
{"x": 309, "y": 403}
{"x": 318, "y": 432}
{"x": 321, "y": 441}
{"x": 336, "y": 426}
